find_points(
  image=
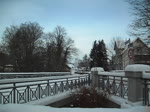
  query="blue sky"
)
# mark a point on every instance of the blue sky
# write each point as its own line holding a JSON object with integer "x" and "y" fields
{"x": 84, "y": 20}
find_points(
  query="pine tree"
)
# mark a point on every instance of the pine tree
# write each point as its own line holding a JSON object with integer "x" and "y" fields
{"x": 93, "y": 55}
{"x": 98, "y": 55}
{"x": 104, "y": 56}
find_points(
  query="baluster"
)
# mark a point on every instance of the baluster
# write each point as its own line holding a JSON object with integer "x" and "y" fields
{"x": 48, "y": 88}
{"x": 146, "y": 98}
{"x": 78, "y": 81}
{"x": 62, "y": 86}
{"x": 99, "y": 84}
{"x": 39, "y": 91}
{"x": 121, "y": 88}
{"x": 103, "y": 82}
{"x": 1, "y": 98}
{"x": 14, "y": 92}
{"x": 108, "y": 85}
{"x": 71, "y": 84}
{"x": 114, "y": 86}
{"x": 28, "y": 94}
{"x": 55, "y": 88}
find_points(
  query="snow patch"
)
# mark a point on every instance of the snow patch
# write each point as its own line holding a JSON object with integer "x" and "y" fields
{"x": 51, "y": 99}
{"x": 97, "y": 69}
{"x": 146, "y": 75}
{"x": 120, "y": 74}
{"x": 36, "y": 108}
{"x": 117, "y": 100}
{"x": 137, "y": 68}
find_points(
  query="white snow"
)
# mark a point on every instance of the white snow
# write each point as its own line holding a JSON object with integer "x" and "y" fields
{"x": 37, "y": 108}
{"x": 119, "y": 74}
{"x": 51, "y": 99}
{"x": 124, "y": 103}
{"x": 137, "y": 68}
{"x": 20, "y": 80}
{"x": 98, "y": 69}
{"x": 117, "y": 100}
{"x": 146, "y": 75}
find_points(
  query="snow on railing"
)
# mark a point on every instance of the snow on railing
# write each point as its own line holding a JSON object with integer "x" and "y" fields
{"x": 23, "y": 91}
{"x": 30, "y": 74}
{"x": 146, "y": 75}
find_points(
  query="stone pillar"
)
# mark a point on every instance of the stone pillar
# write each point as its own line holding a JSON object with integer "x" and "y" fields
{"x": 135, "y": 87}
{"x": 95, "y": 77}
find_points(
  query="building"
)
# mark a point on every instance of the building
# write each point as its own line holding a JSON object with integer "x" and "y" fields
{"x": 136, "y": 52}
{"x": 117, "y": 58}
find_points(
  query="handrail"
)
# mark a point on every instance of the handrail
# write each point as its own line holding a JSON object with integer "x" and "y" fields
{"x": 26, "y": 91}
{"x": 35, "y": 73}
{"x": 116, "y": 74}
{"x": 113, "y": 83}
{"x": 30, "y": 74}
{"x": 23, "y": 80}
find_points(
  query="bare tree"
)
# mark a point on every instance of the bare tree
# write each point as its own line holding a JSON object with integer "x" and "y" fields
{"x": 116, "y": 41}
{"x": 21, "y": 41}
{"x": 60, "y": 49}
{"x": 85, "y": 62}
{"x": 141, "y": 24}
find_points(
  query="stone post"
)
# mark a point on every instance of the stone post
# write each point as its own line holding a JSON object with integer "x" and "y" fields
{"x": 95, "y": 77}
{"x": 134, "y": 74}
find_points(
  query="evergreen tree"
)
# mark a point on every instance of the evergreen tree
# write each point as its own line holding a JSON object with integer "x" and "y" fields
{"x": 93, "y": 55}
{"x": 98, "y": 55}
{"x": 104, "y": 58}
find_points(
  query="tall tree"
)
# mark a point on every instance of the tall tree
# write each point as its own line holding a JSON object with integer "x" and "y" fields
{"x": 115, "y": 42}
{"x": 60, "y": 48}
{"x": 93, "y": 55}
{"x": 21, "y": 41}
{"x": 104, "y": 56}
{"x": 98, "y": 55}
{"x": 85, "y": 62}
{"x": 141, "y": 24}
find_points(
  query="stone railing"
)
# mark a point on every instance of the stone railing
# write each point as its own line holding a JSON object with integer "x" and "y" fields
{"x": 133, "y": 83}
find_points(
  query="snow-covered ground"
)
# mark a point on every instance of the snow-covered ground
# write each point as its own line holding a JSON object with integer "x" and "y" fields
{"x": 51, "y": 99}
{"x": 37, "y": 108}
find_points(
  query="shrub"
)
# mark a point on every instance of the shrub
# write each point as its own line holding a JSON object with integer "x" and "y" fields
{"x": 88, "y": 98}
